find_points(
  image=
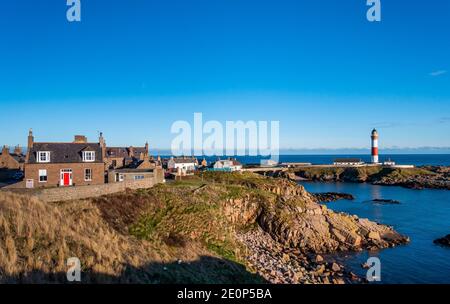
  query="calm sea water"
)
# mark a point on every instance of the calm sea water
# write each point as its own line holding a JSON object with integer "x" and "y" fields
{"x": 401, "y": 159}
{"x": 423, "y": 215}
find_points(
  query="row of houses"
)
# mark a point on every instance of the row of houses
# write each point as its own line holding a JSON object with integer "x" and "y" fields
{"x": 188, "y": 165}
{"x": 14, "y": 160}
{"x": 79, "y": 163}
{"x": 355, "y": 162}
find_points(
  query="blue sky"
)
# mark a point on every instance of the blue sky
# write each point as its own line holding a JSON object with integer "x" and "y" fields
{"x": 131, "y": 68}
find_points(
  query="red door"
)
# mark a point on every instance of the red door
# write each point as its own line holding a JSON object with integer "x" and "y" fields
{"x": 66, "y": 179}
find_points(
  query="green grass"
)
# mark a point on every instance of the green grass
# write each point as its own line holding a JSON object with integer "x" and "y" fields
{"x": 224, "y": 249}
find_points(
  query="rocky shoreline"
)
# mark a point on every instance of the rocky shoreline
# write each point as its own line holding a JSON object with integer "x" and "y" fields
{"x": 279, "y": 265}
{"x": 293, "y": 232}
{"x": 426, "y": 177}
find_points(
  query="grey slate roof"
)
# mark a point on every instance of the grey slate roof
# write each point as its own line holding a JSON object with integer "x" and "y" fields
{"x": 184, "y": 160}
{"x": 20, "y": 158}
{"x": 124, "y": 151}
{"x": 66, "y": 152}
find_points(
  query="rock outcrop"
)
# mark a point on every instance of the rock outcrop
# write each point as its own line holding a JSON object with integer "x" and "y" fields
{"x": 430, "y": 177}
{"x": 444, "y": 241}
{"x": 290, "y": 229}
{"x": 332, "y": 197}
{"x": 295, "y": 219}
{"x": 381, "y": 201}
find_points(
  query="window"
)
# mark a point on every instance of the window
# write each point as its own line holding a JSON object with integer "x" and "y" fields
{"x": 138, "y": 177}
{"x": 43, "y": 176}
{"x": 88, "y": 156}
{"x": 43, "y": 157}
{"x": 88, "y": 175}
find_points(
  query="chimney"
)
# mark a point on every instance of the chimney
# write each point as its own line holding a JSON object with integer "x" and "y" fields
{"x": 30, "y": 144}
{"x": 131, "y": 151}
{"x": 5, "y": 150}
{"x": 80, "y": 139}
{"x": 30, "y": 140}
{"x": 102, "y": 143}
{"x": 17, "y": 150}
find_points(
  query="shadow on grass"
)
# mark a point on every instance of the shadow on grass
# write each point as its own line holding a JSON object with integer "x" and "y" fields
{"x": 206, "y": 270}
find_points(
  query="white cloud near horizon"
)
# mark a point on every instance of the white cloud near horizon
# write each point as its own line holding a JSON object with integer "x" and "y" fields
{"x": 438, "y": 73}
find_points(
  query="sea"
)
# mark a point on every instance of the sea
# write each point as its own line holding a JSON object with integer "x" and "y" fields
{"x": 422, "y": 215}
{"x": 400, "y": 159}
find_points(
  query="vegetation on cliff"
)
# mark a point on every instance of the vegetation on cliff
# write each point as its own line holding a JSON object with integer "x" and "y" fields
{"x": 208, "y": 229}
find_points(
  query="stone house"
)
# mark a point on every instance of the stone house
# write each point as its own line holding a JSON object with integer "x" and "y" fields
{"x": 230, "y": 165}
{"x": 122, "y": 157}
{"x": 12, "y": 161}
{"x": 182, "y": 165}
{"x": 62, "y": 164}
{"x": 129, "y": 175}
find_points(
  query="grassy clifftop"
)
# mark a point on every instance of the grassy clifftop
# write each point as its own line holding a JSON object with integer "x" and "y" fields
{"x": 208, "y": 229}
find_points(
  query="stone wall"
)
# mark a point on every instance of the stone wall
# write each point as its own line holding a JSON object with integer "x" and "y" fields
{"x": 81, "y": 192}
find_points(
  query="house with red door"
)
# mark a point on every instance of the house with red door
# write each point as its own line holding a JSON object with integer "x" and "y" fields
{"x": 64, "y": 164}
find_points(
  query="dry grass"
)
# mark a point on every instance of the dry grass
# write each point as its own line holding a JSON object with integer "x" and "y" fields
{"x": 37, "y": 238}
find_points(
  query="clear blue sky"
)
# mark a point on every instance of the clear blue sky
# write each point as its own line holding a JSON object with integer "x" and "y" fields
{"x": 132, "y": 67}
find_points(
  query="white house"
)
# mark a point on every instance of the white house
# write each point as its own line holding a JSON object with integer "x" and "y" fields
{"x": 183, "y": 165}
{"x": 227, "y": 165}
{"x": 348, "y": 162}
{"x": 389, "y": 163}
{"x": 269, "y": 163}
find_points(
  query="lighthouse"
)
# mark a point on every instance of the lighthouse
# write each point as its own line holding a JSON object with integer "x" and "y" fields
{"x": 374, "y": 146}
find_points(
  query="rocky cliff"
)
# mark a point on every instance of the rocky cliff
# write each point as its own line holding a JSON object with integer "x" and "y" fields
{"x": 294, "y": 218}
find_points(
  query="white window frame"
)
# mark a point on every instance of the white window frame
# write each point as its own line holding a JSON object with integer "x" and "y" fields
{"x": 90, "y": 175}
{"x": 62, "y": 171}
{"x": 43, "y": 172}
{"x": 41, "y": 153}
{"x": 91, "y": 158}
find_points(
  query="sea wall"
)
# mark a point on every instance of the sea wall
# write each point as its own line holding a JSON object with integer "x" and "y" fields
{"x": 81, "y": 192}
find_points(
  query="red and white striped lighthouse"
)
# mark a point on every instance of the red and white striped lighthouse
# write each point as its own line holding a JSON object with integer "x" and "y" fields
{"x": 374, "y": 146}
